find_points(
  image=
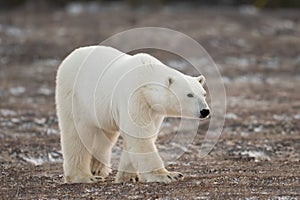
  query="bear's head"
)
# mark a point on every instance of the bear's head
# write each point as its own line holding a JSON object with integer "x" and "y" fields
{"x": 178, "y": 95}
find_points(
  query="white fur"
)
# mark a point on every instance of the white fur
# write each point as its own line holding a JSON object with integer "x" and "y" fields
{"x": 101, "y": 93}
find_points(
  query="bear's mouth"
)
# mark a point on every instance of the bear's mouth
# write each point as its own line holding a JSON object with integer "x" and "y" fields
{"x": 207, "y": 117}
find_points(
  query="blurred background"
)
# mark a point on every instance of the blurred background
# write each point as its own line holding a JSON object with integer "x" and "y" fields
{"x": 136, "y": 3}
{"x": 256, "y": 45}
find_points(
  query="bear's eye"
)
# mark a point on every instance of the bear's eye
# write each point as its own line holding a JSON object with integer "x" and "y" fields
{"x": 190, "y": 95}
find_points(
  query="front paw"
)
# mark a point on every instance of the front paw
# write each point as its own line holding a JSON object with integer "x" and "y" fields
{"x": 126, "y": 177}
{"x": 161, "y": 176}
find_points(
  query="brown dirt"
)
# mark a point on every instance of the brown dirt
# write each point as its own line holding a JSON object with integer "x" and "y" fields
{"x": 258, "y": 154}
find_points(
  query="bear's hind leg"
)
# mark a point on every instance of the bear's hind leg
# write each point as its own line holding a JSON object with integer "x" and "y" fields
{"x": 101, "y": 152}
{"x": 76, "y": 157}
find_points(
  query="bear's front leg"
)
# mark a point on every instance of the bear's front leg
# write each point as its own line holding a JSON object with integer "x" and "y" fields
{"x": 144, "y": 157}
{"x": 126, "y": 171}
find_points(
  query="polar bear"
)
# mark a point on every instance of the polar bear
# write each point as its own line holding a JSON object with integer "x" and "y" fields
{"x": 102, "y": 93}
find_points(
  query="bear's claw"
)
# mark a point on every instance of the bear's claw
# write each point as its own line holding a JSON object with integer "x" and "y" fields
{"x": 126, "y": 177}
{"x": 96, "y": 179}
{"x": 98, "y": 169}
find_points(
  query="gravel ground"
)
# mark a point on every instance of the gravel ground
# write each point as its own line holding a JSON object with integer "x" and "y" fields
{"x": 258, "y": 53}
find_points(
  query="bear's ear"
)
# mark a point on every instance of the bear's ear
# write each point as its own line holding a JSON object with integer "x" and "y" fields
{"x": 170, "y": 81}
{"x": 201, "y": 79}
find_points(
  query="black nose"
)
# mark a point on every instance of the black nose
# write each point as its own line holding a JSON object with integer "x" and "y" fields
{"x": 204, "y": 113}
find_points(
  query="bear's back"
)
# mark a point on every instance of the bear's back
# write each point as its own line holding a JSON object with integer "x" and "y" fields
{"x": 85, "y": 64}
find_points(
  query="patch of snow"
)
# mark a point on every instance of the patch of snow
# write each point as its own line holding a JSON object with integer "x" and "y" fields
{"x": 231, "y": 116}
{"x": 171, "y": 162}
{"x": 297, "y": 116}
{"x": 6, "y": 112}
{"x": 225, "y": 79}
{"x": 51, "y": 131}
{"x": 257, "y": 155}
{"x": 75, "y": 8}
{"x": 186, "y": 164}
{"x": 244, "y": 134}
{"x": 254, "y": 79}
{"x": 240, "y": 42}
{"x": 40, "y": 121}
{"x": 258, "y": 129}
{"x": 15, "y": 120}
{"x": 248, "y": 10}
{"x": 251, "y": 198}
{"x": 283, "y": 24}
{"x": 6, "y": 124}
{"x": 286, "y": 198}
{"x": 12, "y": 30}
{"x": 243, "y": 62}
{"x": 55, "y": 156}
{"x": 208, "y": 194}
{"x": 44, "y": 91}
{"x": 16, "y": 91}
{"x": 51, "y": 62}
{"x": 281, "y": 117}
{"x": 34, "y": 161}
